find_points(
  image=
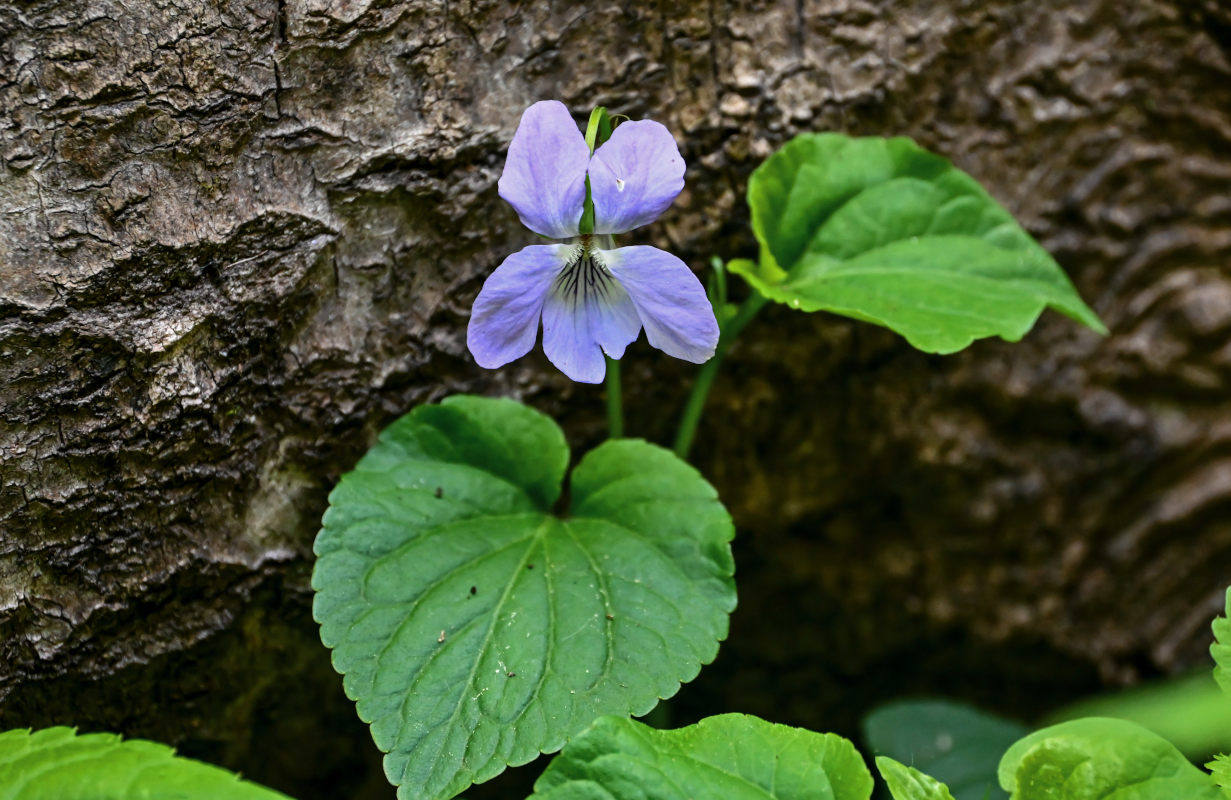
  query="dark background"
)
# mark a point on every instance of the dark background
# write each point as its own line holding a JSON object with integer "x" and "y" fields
{"x": 239, "y": 237}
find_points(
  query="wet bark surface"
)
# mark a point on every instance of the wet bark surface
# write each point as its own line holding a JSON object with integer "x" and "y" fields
{"x": 238, "y": 238}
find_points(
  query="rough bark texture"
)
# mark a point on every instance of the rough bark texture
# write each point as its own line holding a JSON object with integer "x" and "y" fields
{"x": 238, "y": 237}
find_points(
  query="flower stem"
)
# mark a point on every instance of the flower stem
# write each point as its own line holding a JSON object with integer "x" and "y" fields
{"x": 615, "y": 404}
{"x": 705, "y": 378}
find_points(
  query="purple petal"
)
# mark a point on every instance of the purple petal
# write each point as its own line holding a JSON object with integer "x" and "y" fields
{"x": 586, "y": 314}
{"x": 614, "y": 321}
{"x": 505, "y": 318}
{"x": 677, "y": 316}
{"x": 634, "y": 176}
{"x": 544, "y": 176}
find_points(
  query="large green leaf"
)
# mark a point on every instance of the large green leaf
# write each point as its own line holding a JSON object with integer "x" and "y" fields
{"x": 1098, "y": 758}
{"x": 57, "y": 764}
{"x": 474, "y": 627}
{"x": 908, "y": 783}
{"x": 1221, "y": 648}
{"x": 883, "y": 231}
{"x": 958, "y": 744}
{"x": 728, "y": 757}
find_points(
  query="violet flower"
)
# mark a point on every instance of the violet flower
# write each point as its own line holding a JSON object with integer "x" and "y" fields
{"x": 591, "y": 301}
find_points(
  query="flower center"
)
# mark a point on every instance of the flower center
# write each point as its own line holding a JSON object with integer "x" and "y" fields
{"x": 584, "y": 278}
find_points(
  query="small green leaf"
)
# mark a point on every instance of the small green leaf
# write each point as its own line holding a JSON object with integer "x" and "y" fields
{"x": 1220, "y": 768}
{"x": 57, "y": 764}
{"x": 883, "y": 231}
{"x": 598, "y": 128}
{"x": 585, "y": 225}
{"x": 908, "y": 783}
{"x": 1098, "y": 758}
{"x": 474, "y": 627}
{"x": 727, "y": 757}
{"x": 955, "y": 742}
{"x": 1221, "y": 649}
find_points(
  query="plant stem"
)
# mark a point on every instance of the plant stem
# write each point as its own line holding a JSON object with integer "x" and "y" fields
{"x": 705, "y": 378}
{"x": 615, "y": 404}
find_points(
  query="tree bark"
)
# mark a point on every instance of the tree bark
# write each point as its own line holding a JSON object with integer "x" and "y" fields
{"x": 239, "y": 237}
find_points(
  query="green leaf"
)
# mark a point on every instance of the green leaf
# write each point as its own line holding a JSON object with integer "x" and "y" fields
{"x": 598, "y": 128}
{"x": 958, "y": 744}
{"x": 883, "y": 231}
{"x": 908, "y": 783}
{"x": 1097, "y": 758}
{"x": 727, "y": 757}
{"x": 57, "y": 764}
{"x": 1190, "y": 711}
{"x": 474, "y": 627}
{"x": 585, "y": 225}
{"x": 1221, "y": 769}
{"x": 1221, "y": 649}
{"x": 598, "y": 131}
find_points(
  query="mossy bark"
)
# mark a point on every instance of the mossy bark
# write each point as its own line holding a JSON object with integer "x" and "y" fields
{"x": 237, "y": 238}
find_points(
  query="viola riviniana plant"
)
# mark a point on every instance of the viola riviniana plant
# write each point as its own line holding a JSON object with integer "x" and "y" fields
{"x": 591, "y": 300}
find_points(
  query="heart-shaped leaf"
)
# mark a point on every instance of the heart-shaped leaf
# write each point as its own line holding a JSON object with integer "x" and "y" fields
{"x": 474, "y": 627}
{"x": 883, "y": 231}
{"x": 727, "y": 757}
{"x": 57, "y": 764}
{"x": 1097, "y": 758}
